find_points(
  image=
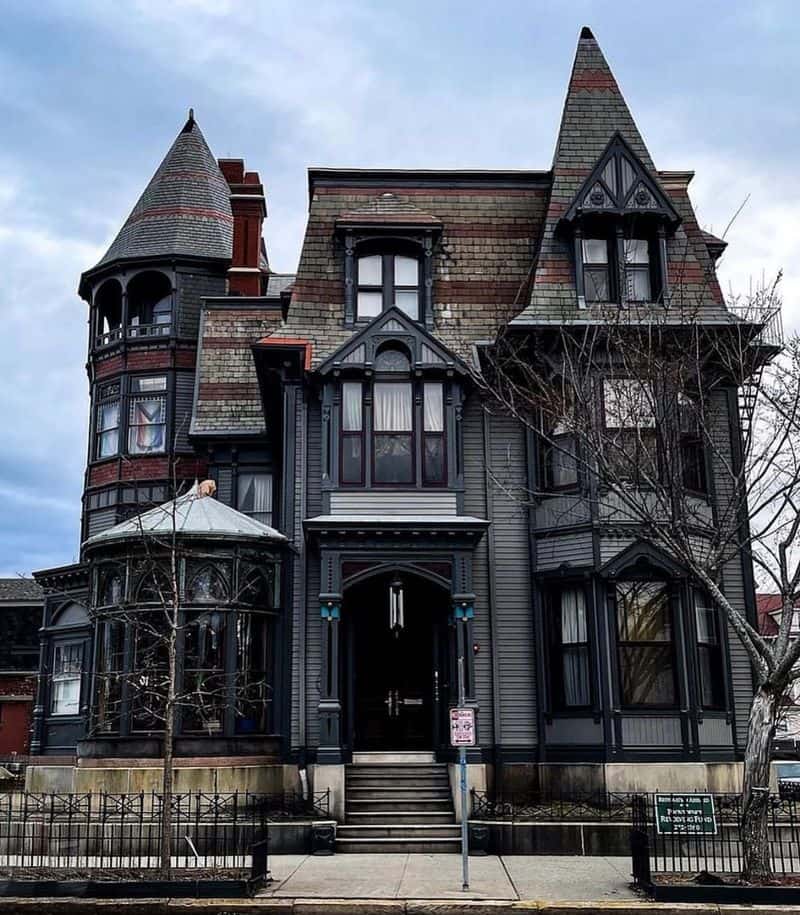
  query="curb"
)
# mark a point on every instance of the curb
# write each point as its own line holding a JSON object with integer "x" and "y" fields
{"x": 275, "y": 906}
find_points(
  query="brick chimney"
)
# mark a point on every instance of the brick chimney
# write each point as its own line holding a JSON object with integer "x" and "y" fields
{"x": 249, "y": 208}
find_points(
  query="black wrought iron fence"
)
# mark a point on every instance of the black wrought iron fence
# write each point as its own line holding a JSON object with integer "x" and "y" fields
{"x": 552, "y": 807}
{"x": 101, "y": 831}
{"x": 690, "y": 834}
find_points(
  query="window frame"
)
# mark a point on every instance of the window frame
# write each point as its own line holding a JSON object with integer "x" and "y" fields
{"x": 244, "y": 472}
{"x": 359, "y": 434}
{"x": 108, "y": 393}
{"x": 127, "y": 394}
{"x": 712, "y": 648}
{"x": 59, "y": 646}
{"x": 644, "y": 437}
{"x": 557, "y": 649}
{"x": 615, "y": 235}
{"x": 387, "y": 287}
{"x": 670, "y": 644}
{"x": 426, "y": 435}
{"x": 410, "y": 434}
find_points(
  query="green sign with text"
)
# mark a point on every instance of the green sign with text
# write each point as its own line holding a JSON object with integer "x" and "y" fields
{"x": 685, "y": 814}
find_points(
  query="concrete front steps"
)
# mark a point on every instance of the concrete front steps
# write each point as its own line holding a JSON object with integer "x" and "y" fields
{"x": 398, "y": 807}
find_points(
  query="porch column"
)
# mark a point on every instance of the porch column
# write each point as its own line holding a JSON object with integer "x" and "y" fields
{"x": 330, "y": 706}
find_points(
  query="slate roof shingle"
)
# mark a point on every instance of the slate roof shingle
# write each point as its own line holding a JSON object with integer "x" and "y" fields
{"x": 184, "y": 210}
{"x": 19, "y": 589}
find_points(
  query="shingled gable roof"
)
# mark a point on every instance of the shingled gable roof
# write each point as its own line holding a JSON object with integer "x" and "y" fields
{"x": 594, "y": 113}
{"x": 387, "y": 209}
{"x": 184, "y": 210}
{"x": 393, "y": 324}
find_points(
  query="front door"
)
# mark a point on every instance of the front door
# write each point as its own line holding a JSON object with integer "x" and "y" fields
{"x": 397, "y": 679}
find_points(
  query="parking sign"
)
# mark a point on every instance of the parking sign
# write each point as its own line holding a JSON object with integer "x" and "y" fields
{"x": 462, "y": 727}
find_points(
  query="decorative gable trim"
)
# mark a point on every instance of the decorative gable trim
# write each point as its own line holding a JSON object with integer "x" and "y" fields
{"x": 639, "y": 558}
{"x": 620, "y": 184}
{"x": 393, "y": 325}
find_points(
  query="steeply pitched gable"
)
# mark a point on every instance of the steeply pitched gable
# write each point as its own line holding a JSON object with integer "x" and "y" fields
{"x": 184, "y": 210}
{"x": 595, "y": 112}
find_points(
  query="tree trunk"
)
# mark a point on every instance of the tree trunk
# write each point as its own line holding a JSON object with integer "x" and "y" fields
{"x": 756, "y": 856}
{"x": 167, "y": 772}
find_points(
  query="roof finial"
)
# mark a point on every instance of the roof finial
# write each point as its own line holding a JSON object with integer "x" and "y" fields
{"x": 189, "y": 122}
{"x": 586, "y": 32}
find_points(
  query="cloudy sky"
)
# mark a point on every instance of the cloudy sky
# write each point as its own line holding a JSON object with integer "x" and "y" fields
{"x": 93, "y": 93}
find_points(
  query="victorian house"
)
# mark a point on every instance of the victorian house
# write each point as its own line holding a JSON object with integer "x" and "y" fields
{"x": 366, "y": 540}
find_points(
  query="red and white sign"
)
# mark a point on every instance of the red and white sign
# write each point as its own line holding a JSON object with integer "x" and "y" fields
{"x": 462, "y": 727}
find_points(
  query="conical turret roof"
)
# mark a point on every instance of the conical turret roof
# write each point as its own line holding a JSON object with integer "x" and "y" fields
{"x": 184, "y": 210}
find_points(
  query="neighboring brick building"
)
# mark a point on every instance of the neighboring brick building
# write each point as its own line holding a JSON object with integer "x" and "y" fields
{"x": 339, "y": 407}
{"x": 787, "y": 736}
{"x": 21, "y": 602}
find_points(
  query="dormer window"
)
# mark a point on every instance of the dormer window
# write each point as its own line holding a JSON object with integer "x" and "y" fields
{"x": 619, "y": 221}
{"x": 385, "y": 280}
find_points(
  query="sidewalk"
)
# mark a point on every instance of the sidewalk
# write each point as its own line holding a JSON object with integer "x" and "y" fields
{"x": 404, "y": 876}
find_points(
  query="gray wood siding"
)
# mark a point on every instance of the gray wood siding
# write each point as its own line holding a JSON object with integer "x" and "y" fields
{"x": 392, "y": 504}
{"x": 555, "y": 549}
{"x": 561, "y": 511}
{"x": 651, "y": 732}
{"x": 311, "y": 622}
{"x": 302, "y": 430}
{"x": 733, "y": 578}
{"x": 100, "y": 520}
{"x": 225, "y": 485}
{"x": 475, "y": 504}
{"x": 184, "y": 397}
{"x": 715, "y": 732}
{"x": 612, "y": 546}
{"x": 513, "y": 609}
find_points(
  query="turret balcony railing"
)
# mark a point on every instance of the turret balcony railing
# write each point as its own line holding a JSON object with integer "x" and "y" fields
{"x": 133, "y": 332}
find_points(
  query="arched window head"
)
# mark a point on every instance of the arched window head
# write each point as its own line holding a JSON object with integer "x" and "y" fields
{"x": 392, "y": 358}
{"x": 154, "y": 588}
{"x": 149, "y": 305}
{"x": 110, "y": 589}
{"x": 108, "y": 313}
{"x": 207, "y": 585}
{"x": 384, "y": 281}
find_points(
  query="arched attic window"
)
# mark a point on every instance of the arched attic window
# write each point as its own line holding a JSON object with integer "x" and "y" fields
{"x": 108, "y": 313}
{"x": 149, "y": 305}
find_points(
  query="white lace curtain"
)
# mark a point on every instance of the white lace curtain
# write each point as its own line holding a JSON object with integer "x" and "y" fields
{"x": 392, "y": 406}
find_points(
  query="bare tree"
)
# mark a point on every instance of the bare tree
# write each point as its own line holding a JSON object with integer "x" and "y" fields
{"x": 177, "y": 668}
{"x": 682, "y": 431}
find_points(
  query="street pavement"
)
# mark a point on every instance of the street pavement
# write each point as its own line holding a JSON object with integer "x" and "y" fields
{"x": 405, "y": 876}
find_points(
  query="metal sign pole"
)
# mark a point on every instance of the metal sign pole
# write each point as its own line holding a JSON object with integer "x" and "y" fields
{"x": 462, "y": 763}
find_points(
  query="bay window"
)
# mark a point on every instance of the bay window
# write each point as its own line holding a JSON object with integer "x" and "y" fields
{"x": 570, "y": 669}
{"x": 205, "y": 636}
{"x": 254, "y": 672}
{"x": 66, "y": 679}
{"x": 630, "y": 422}
{"x": 645, "y": 654}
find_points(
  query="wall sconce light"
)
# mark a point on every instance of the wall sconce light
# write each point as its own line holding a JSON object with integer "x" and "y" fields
{"x": 396, "y": 615}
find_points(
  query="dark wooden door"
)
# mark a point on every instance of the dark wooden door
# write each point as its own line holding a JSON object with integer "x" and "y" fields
{"x": 394, "y": 674}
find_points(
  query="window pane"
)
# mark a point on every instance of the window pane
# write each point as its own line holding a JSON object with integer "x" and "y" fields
{"x": 575, "y": 672}
{"x": 352, "y": 462}
{"x": 561, "y": 462}
{"x": 638, "y": 284}
{"x": 393, "y": 459}
{"x": 369, "y": 304}
{"x": 433, "y": 469}
{"x": 392, "y": 360}
{"x": 406, "y": 271}
{"x": 253, "y": 686}
{"x": 434, "y": 407}
{"x": 255, "y": 495}
{"x": 573, "y": 616}
{"x": 370, "y": 270}
{"x": 351, "y": 406}
{"x": 595, "y": 285}
{"x": 636, "y": 251}
{"x": 628, "y": 404}
{"x": 146, "y": 385}
{"x": 643, "y": 612}
{"x": 407, "y": 302}
{"x": 392, "y": 407}
{"x": 646, "y": 675}
{"x": 108, "y": 416}
{"x": 595, "y": 251}
{"x": 146, "y": 432}
{"x": 108, "y": 443}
